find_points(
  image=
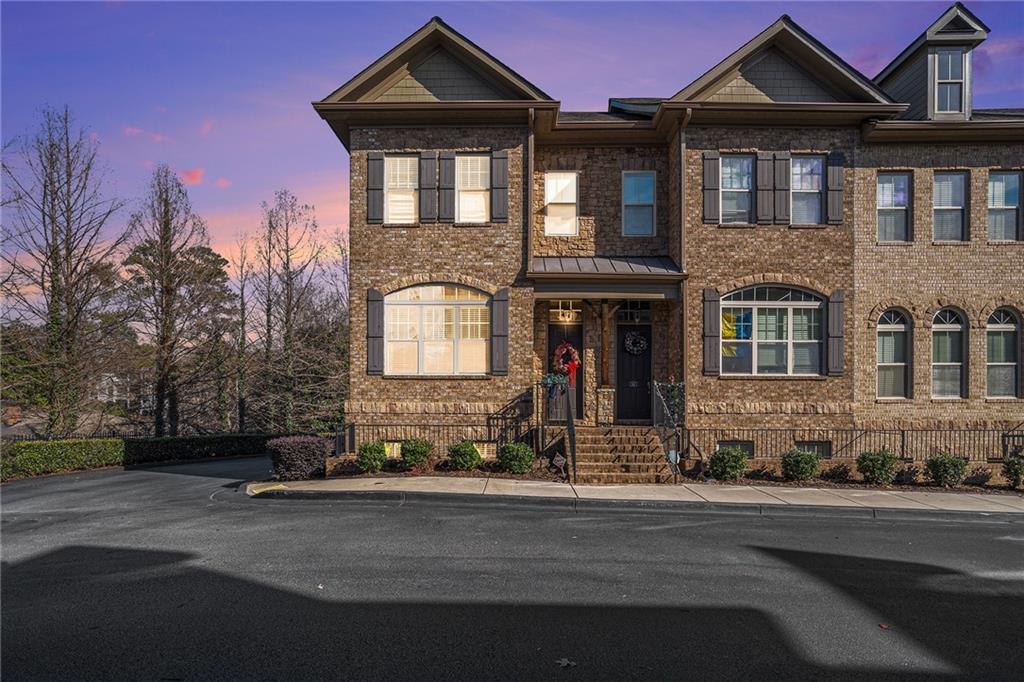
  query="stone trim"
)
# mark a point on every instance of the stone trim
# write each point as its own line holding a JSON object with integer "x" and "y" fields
{"x": 438, "y": 278}
{"x": 775, "y": 278}
{"x": 911, "y": 311}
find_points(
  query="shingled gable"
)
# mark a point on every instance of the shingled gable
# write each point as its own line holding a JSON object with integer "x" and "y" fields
{"x": 957, "y": 25}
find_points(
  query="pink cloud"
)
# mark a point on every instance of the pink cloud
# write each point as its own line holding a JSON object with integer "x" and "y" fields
{"x": 148, "y": 164}
{"x": 132, "y": 131}
{"x": 158, "y": 137}
{"x": 192, "y": 176}
{"x": 207, "y": 127}
{"x": 223, "y": 183}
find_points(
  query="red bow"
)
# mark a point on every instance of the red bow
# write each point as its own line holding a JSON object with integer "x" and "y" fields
{"x": 571, "y": 366}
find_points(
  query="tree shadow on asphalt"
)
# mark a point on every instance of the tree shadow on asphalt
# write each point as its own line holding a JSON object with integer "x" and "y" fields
{"x": 244, "y": 469}
{"x": 97, "y": 612}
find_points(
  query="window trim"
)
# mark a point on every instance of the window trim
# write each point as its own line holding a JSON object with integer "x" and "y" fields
{"x": 965, "y": 233}
{"x": 790, "y": 306}
{"x": 654, "y": 202}
{"x": 909, "y": 175}
{"x": 415, "y": 190}
{"x": 576, "y": 203}
{"x": 744, "y": 444}
{"x": 962, "y": 81}
{"x": 946, "y": 327}
{"x": 486, "y": 156}
{"x": 803, "y": 445}
{"x": 905, "y": 329}
{"x": 751, "y": 192}
{"x": 822, "y": 205}
{"x": 1018, "y": 229}
{"x": 1015, "y": 327}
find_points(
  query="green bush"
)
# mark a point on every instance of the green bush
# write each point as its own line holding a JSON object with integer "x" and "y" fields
{"x": 1013, "y": 469}
{"x": 464, "y": 456}
{"x": 371, "y": 456}
{"x": 415, "y": 452}
{"x": 35, "y": 457}
{"x": 297, "y": 458}
{"x": 515, "y": 457}
{"x": 878, "y": 467}
{"x": 728, "y": 463}
{"x": 180, "y": 448}
{"x": 946, "y": 470}
{"x": 800, "y": 465}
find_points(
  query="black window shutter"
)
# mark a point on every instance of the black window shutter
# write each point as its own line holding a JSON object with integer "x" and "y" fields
{"x": 1020, "y": 358}
{"x": 834, "y": 183}
{"x": 374, "y": 332}
{"x": 834, "y": 343}
{"x": 499, "y": 333}
{"x": 428, "y": 187}
{"x": 499, "y": 187}
{"x": 765, "y": 178}
{"x": 446, "y": 187}
{"x": 782, "y": 172}
{"x": 375, "y": 187}
{"x": 712, "y": 332}
{"x": 712, "y": 165}
{"x": 908, "y": 379}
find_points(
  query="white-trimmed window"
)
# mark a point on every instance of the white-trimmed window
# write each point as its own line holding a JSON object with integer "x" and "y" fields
{"x": 638, "y": 205}
{"x": 472, "y": 188}
{"x": 893, "y": 354}
{"x": 1004, "y": 206}
{"x": 772, "y": 330}
{"x": 948, "y": 193}
{"x": 1002, "y": 354}
{"x": 439, "y": 329}
{"x": 561, "y": 194}
{"x": 737, "y": 182}
{"x": 948, "y": 354}
{"x": 949, "y": 81}
{"x": 893, "y": 198}
{"x": 401, "y": 184}
{"x": 806, "y": 190}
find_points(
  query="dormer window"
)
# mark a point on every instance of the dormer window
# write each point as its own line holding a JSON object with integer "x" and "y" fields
{"x": 949, "y": 84}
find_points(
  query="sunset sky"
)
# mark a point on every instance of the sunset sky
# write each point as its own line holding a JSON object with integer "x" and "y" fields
{"x": 222, "y": 91}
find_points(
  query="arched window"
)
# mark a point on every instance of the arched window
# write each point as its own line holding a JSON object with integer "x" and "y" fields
{"x": 772, "y": 330}
{"x": 1003, "y": 354}
{"x": 948, "y": 378}
{"x": 893, "y": 355}
{"x": 438, "y": 329}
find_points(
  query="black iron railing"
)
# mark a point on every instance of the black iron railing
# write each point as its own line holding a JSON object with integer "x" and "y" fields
{"x": 669, "y": 415}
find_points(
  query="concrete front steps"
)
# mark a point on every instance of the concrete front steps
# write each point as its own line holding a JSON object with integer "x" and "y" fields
{"x": 620, "y": 454}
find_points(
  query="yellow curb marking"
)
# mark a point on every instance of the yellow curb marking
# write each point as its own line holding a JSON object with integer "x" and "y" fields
{"x": 262, "y": 489}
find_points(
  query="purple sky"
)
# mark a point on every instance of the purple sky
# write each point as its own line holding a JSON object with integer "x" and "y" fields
{"x": 221, "y": 91}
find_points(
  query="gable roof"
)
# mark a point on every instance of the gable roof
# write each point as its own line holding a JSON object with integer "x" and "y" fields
{"x": 496, "y": 81}
{"x": 806, "y": 51}
{"x": 957, "y": 25}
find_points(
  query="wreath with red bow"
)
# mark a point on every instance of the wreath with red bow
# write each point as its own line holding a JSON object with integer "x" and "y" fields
{"x": 559, "y": 363}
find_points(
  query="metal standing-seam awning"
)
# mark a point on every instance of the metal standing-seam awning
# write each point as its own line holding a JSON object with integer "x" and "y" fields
{"x": 590, "y": 277}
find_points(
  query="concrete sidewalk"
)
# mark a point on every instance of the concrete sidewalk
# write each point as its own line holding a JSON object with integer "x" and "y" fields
{"x": 735, "y": 498}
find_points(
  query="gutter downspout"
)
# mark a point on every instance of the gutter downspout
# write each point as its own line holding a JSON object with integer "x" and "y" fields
{"x": 683, "y": 331}
{"x": 528, "y": 181}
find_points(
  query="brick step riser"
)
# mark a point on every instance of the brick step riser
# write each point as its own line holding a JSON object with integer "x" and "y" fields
{"x": 580, "y": 440}
{"x": 623, "y": 449}
{"x": 584, "y": 470}
{"x": 622, "y": 479}
{"x": 612, "y": 457}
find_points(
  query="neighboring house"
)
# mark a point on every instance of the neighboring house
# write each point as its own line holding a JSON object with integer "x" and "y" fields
{"x": 799, "y": 245}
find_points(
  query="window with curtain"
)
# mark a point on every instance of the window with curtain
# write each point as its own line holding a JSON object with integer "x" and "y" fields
{"x": 892, "y": 353}
{"x": 472, "y": 188}
{"x": 948, "y": 201}
{"x": 560, "y": 203}
{"x": 401, "y": 182}
{"x": 638, "y": 203}
{"x": 1002, "y": 354}
{"x": 1003, "y": 206}
{"x": 806, "y": 185}
{"x": 949, "y": 85}
{"x": 893, "y": 198}
{"x": 736, "y": 193}
{"x": 772, "y": 330}
{"x": 948, "y": 354}
{"x": 436, "y": 329}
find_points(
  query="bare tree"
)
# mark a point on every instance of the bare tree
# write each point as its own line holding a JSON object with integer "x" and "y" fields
{"x": 59, "y": 254}
{"x": 243, "y": 273}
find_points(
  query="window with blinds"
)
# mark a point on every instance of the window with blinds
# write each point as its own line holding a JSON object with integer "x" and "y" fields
{"x": 806, "y": 185}
{"x": 436, "y": 329}
{"x": 472, "y": 188}
{"x": 401, "y": 178}
{"x": 947, "y": 354}
{"x": 893, "y": 199}
{"x": 948, "y": 202}
{"x": 892, "y": 365}
{"x": 737, "y": 181}
{"x": 560, "y": 204}
{"x": 1002, "y": 354}
{"x": 638, "y": 203}
{"x": 1004, "y": 206}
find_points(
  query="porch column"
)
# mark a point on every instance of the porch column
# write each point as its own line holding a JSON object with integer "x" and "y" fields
{"x": 605, "y": 391}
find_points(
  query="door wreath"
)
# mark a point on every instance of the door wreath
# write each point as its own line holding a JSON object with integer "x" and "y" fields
{"x": 558, "y": 360}
{"x": 636, "y": 343}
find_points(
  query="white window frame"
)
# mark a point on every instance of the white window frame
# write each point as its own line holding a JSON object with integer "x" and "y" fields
{"x": 390, "y": 158}
{"x": 753, "y": 341}
{"x": 962, "y": 81}
{"x": 486, "y": 190}
{"x": 752, "y": 209}
{"x": 905, "y": 208}
{"x": 654, "y": 202}
{"x": 575, "y": 203}
{"x": 948, "y": 327}
{"x": 1002, "y": 326}
{"x": 820, "y": 191}
{"x": 888, "y": 327}
{"x": 964, "y": 228}
{"x": 1016, "y": 208}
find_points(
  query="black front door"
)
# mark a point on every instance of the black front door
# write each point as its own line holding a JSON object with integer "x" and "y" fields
{"x": 633, "y": 373}
{"x": 573, "y": 333}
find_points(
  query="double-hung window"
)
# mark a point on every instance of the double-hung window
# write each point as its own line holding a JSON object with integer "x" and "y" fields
{"x": 472, "y": 188}
{"x": 772, "y": 330}
{"x": 1004, "y": 206}
{"x": 893, "y": 196}
{"x": 1002, "y": 354}
{"x": 560, "y": 203}
{"x": 949, "y": 81}
{"x": 893, "y": 337}
{"x": 737, "y": 181}
{"x": 638, "y": 203}
{"x": 401, "y": 182}
{"x": 806, "y": 185}
{"x": 948, "y": 200}
{"x": 947, "y": 354}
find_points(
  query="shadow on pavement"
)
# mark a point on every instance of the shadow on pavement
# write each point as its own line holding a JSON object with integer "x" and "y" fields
{"x": 242, "y": 468}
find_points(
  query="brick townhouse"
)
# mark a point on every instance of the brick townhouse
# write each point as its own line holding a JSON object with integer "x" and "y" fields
{"x": 793, "y": 244}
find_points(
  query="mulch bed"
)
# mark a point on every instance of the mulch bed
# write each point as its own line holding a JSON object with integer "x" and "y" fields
{"x": 923, "y": 487}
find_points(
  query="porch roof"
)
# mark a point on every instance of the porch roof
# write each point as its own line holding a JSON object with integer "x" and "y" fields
{"x": 654, "y": 277}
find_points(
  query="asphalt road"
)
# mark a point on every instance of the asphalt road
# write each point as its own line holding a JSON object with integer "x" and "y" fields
{"x": 172, "y": 573}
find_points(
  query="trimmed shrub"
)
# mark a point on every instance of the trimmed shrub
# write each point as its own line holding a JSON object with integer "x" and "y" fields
{"x": 415, "y": 452}
{"x": 515, "y": 457}
{"x": 878, "y": 467}
{"x": 296, "y": 458}
{"x": 1013, "y": 469}
{"x": 35, "y": 457}
{"x": 727, "y": 464}
{"x": 464, "y": 456}
{"x": 800, "y": 465}
{"x": 946, "y": 470}
{"x": 181, "y": 448}
{"x": 371, "y": 457}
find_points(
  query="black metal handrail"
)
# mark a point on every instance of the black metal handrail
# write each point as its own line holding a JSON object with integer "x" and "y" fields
{"x": 669, "y": 416}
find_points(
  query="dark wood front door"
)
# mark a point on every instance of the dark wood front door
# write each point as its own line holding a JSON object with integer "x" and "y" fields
{"x": 573, "y": 333}
{"x": 633, "y": 372}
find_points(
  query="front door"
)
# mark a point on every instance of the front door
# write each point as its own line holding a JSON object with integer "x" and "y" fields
{"x": 633, "y": 373}
{"x": 573, "y": 333}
